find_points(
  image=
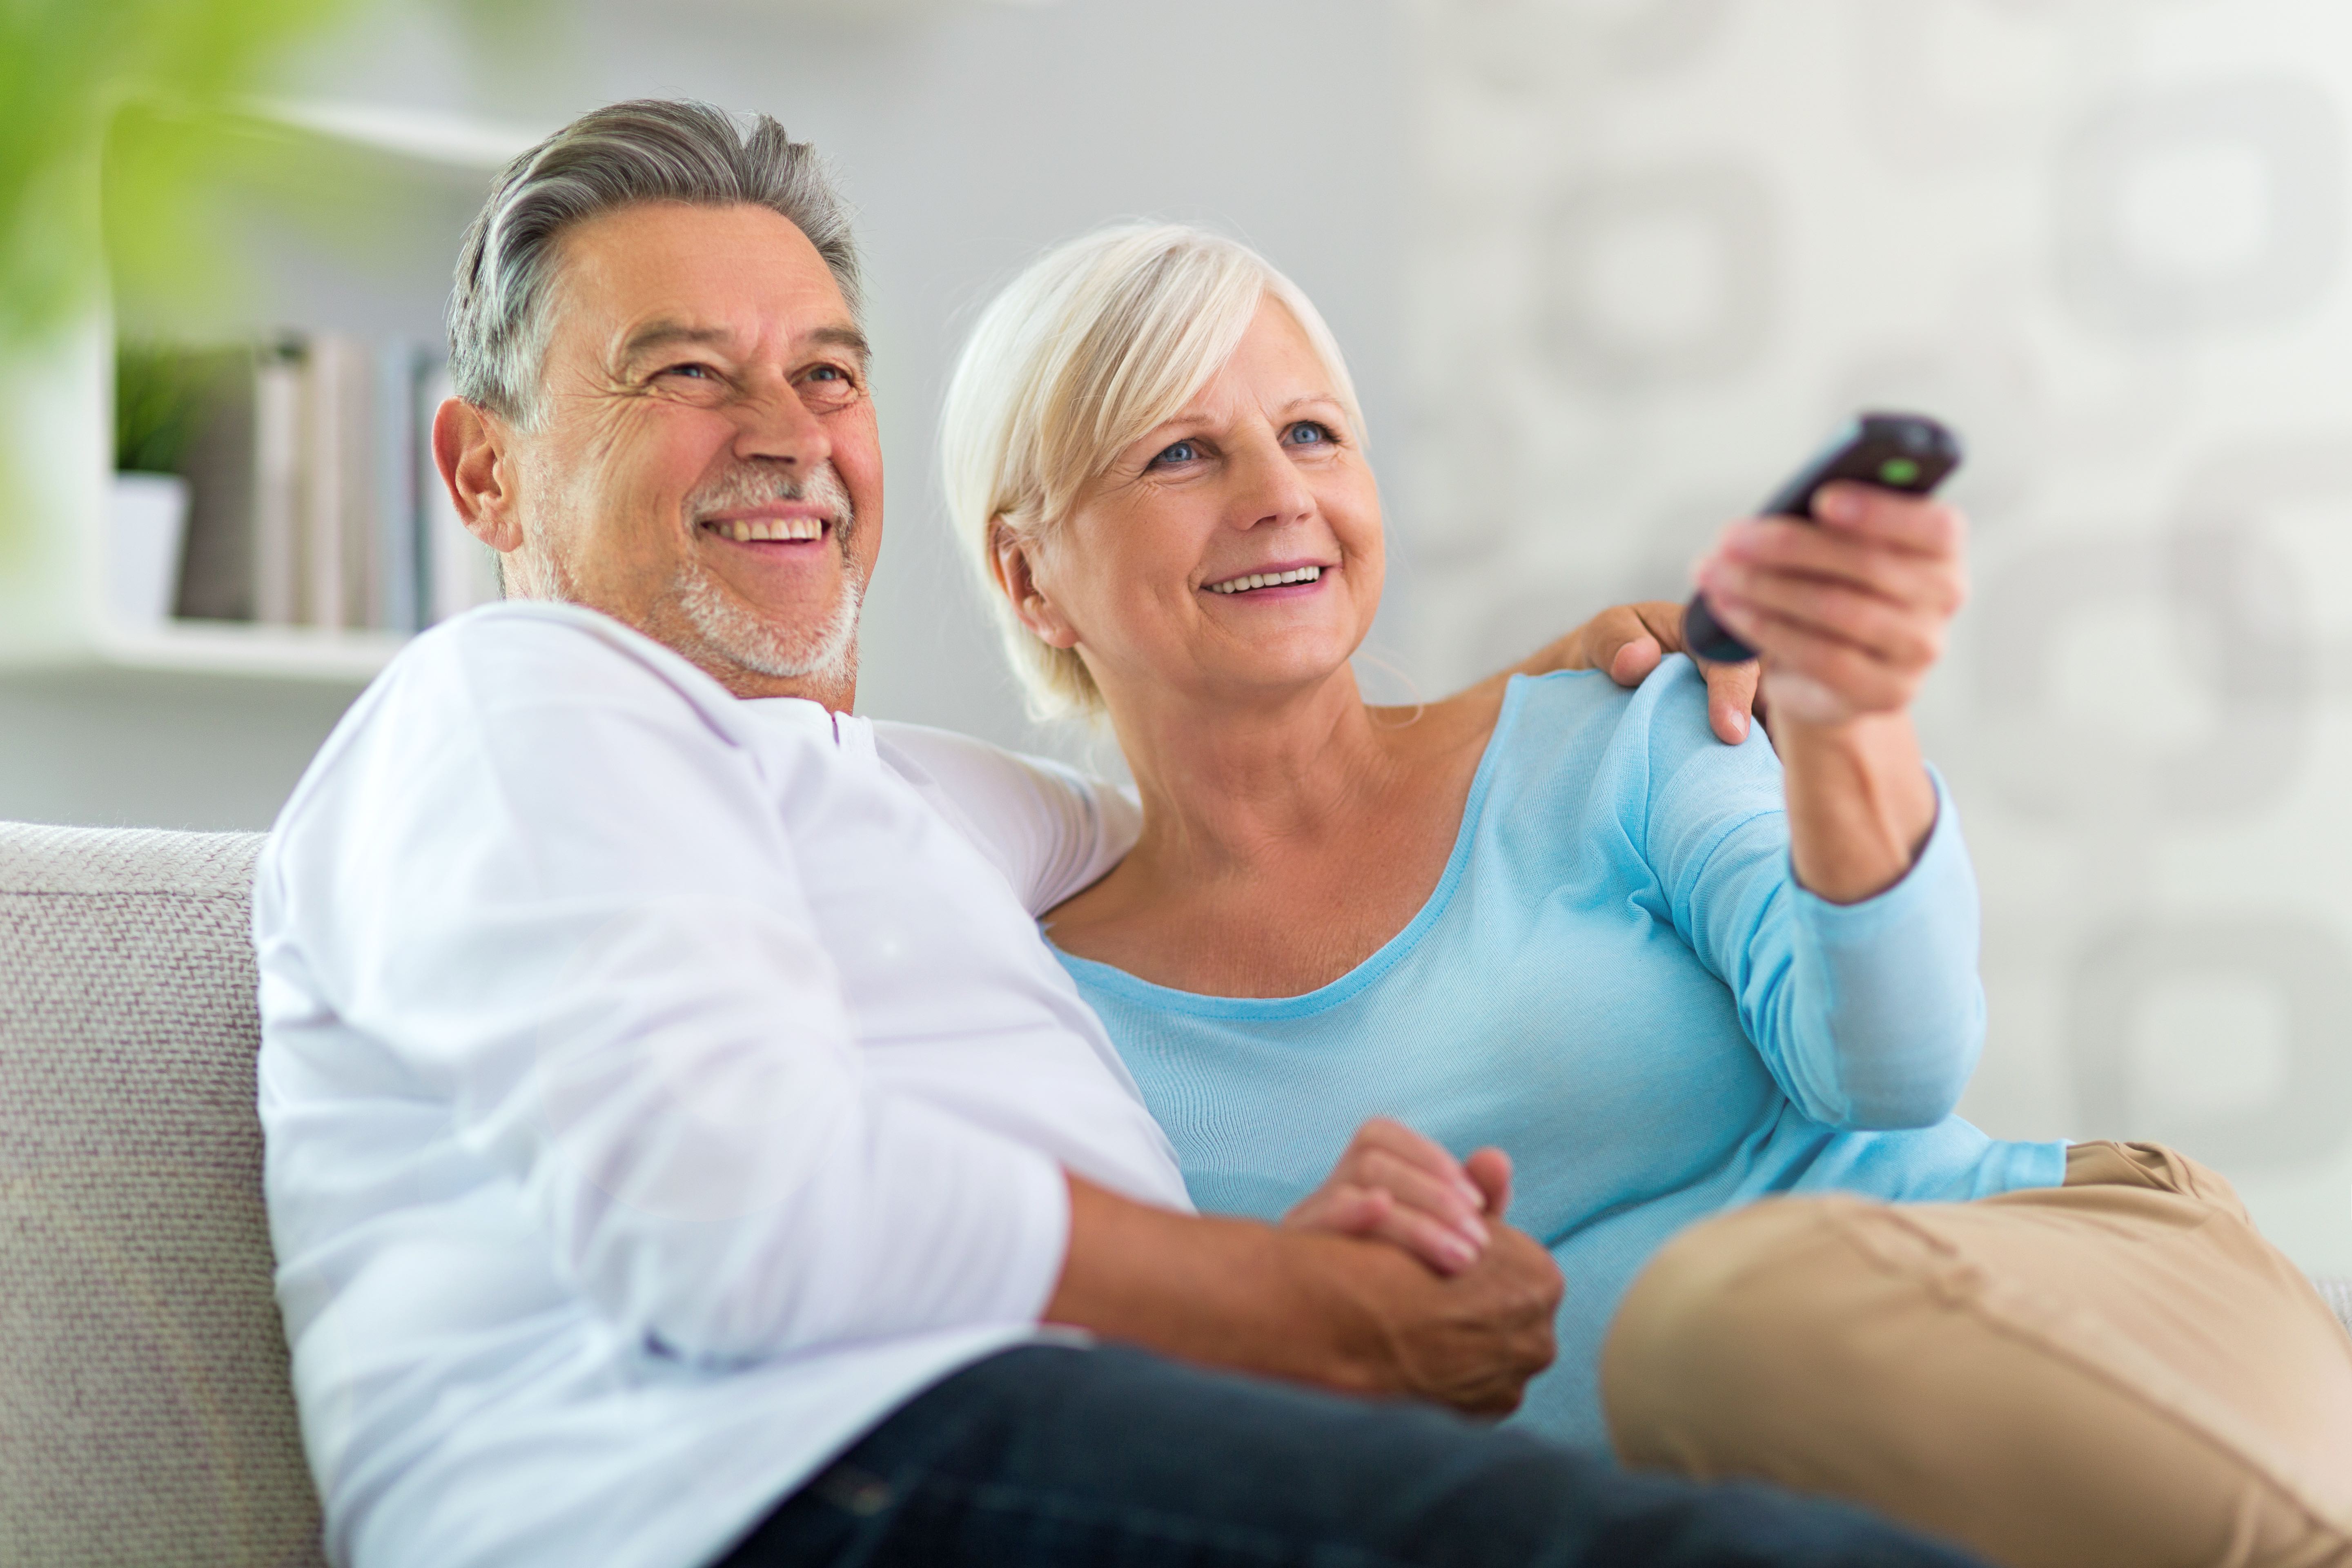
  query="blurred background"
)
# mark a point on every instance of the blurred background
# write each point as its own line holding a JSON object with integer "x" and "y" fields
{"x": 1606, "y": 270}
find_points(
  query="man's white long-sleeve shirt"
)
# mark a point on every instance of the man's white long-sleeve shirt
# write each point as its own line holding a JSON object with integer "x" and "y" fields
{"x": 659, "y": 1090}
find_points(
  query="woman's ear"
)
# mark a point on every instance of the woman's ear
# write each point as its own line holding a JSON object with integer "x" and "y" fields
{"x": 1009, "y": 554}
{"x": 475, "y": 457}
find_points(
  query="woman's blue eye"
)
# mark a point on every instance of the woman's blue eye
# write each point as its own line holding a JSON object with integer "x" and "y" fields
{"x": 1308, "y": 430}
{"x": 1181, "y": 452}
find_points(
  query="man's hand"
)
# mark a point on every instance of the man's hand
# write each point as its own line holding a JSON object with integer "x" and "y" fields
{"x": 1628, "y": 640}
{"x": 1357, "y": 1315}
{"x": 1394, "y": 1184}
{"x": 1471, "y": 1341}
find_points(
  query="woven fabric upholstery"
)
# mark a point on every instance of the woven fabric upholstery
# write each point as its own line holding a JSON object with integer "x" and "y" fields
{"x": 144, "y": 1410}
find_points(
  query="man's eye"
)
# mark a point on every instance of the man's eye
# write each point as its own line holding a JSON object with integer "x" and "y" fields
{"x": 1181, "y": 452}
{"x": 700, "y": 371}
{"x": 829, "y": 382}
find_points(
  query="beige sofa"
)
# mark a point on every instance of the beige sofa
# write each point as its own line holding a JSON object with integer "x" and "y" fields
{"x": 145, "y": 1411}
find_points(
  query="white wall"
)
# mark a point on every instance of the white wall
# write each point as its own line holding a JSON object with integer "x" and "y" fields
{"x": 110, "y": 748}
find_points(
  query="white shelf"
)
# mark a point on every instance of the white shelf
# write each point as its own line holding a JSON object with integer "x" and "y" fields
{"x": 56, "y": 425}
{"x": 228, "y": 647}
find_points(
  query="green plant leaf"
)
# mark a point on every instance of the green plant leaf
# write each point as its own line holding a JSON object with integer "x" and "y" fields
{"x": 65, "y": 69}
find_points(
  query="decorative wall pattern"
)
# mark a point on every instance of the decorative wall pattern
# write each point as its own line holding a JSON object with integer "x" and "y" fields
{"x": 1658, "y": 248}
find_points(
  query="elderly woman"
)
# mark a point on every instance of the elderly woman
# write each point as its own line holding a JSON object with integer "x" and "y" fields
{"x": 1668, "y": 977}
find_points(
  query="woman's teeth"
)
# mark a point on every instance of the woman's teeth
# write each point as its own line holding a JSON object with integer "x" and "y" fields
{"x": 1266, "y": 580}
{"x": 743, "y": 531}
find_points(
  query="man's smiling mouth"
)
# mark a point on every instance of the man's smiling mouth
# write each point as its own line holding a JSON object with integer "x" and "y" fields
{"x": 766, "y": 530}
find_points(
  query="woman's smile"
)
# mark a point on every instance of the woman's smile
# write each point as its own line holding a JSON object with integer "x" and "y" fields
{"x": 1278, "y": 580}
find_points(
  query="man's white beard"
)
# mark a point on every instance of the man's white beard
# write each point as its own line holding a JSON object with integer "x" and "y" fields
{"x": 731, "y": 630}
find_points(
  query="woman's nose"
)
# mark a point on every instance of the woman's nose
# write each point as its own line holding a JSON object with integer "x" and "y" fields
{"x": 1270, "y": 490}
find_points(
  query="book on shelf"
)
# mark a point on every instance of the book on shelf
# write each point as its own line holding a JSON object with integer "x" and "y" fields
{"x": 398, "y": 494}
{"x": 314, "y": 496}
{"x": 276, "y": 521}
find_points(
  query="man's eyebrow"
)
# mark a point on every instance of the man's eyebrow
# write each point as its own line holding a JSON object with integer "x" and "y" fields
{"x": 663, "y": 334}
{"x": 844, "y": 337}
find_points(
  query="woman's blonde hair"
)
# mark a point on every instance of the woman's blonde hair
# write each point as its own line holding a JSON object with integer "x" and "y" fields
{"x": 1100, "y": 339}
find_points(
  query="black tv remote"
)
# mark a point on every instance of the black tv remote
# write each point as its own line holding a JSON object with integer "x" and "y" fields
{"x": 1905, "y": 452}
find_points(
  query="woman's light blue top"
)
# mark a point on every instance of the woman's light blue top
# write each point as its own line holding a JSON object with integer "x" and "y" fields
{"x": 1619, "y": 982}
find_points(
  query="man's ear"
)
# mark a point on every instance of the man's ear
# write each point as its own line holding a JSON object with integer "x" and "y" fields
{"x": 1009, "y": 556}
{"x": 473, "y": 451}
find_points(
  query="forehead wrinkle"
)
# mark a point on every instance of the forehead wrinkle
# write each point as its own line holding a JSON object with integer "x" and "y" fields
{"x": 1213, "y": 404}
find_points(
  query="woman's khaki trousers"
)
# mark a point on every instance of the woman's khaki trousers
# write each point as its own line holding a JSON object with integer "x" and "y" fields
{"x": 2118, "y": 1371}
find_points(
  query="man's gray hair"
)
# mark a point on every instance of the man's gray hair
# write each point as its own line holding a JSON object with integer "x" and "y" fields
{"x": 646, "y": 149}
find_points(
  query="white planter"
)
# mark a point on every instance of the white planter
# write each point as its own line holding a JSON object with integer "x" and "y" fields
{"x": 147, "y": 525}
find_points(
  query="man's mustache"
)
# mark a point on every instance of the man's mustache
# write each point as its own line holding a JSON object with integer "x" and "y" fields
{"x": 754, "y": 484}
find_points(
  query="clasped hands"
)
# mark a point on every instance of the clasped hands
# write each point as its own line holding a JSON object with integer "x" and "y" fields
{"x": 1477, "y": 1323}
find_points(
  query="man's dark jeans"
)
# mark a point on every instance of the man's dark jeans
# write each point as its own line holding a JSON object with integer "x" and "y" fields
{"x": 1050, "y": 1456}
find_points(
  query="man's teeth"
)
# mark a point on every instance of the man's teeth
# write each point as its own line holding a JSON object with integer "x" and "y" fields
{"x": 743, "y": 531}
{"x": 1266, "y": 580}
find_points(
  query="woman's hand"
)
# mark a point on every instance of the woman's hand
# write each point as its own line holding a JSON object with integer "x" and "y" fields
{"x": 1395, "y": 1186}
{"x": 1849, "y": 612}
{"x": 1849, "y": 615}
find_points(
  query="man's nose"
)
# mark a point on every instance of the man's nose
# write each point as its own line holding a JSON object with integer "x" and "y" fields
{"x": 778, "y": 426}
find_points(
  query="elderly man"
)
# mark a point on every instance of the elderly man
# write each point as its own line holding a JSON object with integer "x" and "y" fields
{"x": 681, "y": 1145}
